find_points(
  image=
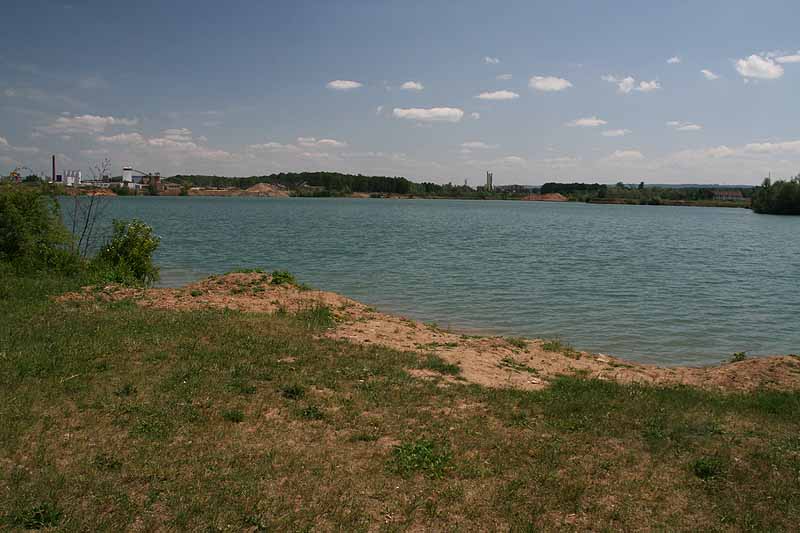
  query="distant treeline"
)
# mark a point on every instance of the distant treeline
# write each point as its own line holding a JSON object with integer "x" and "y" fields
{"x": 587, "y": 192}
{"x": 778, "y": 198}
{"x": 329, "y": 183}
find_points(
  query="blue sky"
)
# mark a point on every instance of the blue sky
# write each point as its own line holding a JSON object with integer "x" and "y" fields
{"x": 669, "y": 92}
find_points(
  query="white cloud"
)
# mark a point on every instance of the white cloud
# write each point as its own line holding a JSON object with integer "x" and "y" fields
{"x": 273, "y": 147}
{"x": 684, "y": 126}
{"x": 616, "y": 133}
{"x": 412, "y": 86}
{"x": 122, "y": 138}
{"x": 86, "y": 124}
{"x": 475, "y": 115}
{"x": 178, "y": 134}
{"x": 379, "y": 110}
{"x": 774, "y": 148}
{"x": 498, "y": 95}
{"x": 491, "y": 60}
{"x": 588, "y": 122}
{"x": 791, "y": 58}
{"x": 3, "y": 141}
{"x": 759, "y": 67}
{"x": 433, "y": 114}
{"x": 478, "y": 145}
{"x": 628, "y": 84}
{"x": 674, "y": 60}
{"x": 709, "y": 75}
{"x": 309, "y": 142}
{"x": 548, "y": 83}
{"x": 624, "y": 156}
{"x": 504, "y": 77}
{"x": 343, "y": 85}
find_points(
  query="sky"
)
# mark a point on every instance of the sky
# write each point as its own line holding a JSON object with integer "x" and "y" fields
{"x": 534, "y": 91}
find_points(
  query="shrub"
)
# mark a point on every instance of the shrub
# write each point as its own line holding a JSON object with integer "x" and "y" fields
{"x": 738, "y": 356}
{"x": 233, "y": 415}
{"x": 128, "y": 256}
{"x": 32, "y": 235}
{"x": 293, "y": 392}
{"x": 708, "y": 467}
{"x": 282, "y": 277}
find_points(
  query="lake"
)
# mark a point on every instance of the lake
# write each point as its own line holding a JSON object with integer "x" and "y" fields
{"x": 667, "y": 285}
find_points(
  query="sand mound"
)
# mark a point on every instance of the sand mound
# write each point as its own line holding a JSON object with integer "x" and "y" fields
{"x": 550, "y": 197}
{"x": 266, "y": 189}
{"x": 489, "y": 361}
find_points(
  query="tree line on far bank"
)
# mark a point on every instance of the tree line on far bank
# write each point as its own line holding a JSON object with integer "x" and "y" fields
{"x": 778, "y": 198}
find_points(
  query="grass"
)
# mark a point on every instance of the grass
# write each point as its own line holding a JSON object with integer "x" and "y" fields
{"x": 117, "y": 418}
{"x": 738, "y": 357}
{"x": 517, "y": 342}
{"x": 437, "y": 364}
{"x": 559, "y": 346}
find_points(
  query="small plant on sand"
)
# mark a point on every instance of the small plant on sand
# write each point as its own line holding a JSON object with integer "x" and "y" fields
{"x": 559, "y": 346}
{"x": 293, "y": 392}
{"x": 105, "y": 461}
{"x": 282, "y": 277}
{"x": 195, "y": 293}
{"x": 738, "y": 357}
{"x": 424, "y": 456}
{"x": 233, "y": 415}
{"x": 126, "y": 390}
{"x": 437, "y": 364}
{"x": 517, "y": 342}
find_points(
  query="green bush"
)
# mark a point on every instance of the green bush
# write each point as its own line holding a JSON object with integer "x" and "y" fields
{"x": 128, "y": 256}
{"x": 282, "y": 277}
{"x": 778, "y": 198}
{"x": 32, "y": 235}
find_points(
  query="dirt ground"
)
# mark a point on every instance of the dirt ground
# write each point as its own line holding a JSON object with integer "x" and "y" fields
{"x": 488, "y": 361}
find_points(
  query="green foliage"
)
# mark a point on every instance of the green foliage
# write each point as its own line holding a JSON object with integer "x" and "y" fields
{"x": 557, "y": 345}
{"x": 738, "y": 356}
{"x": 282, "y": 277}
{"x": 437, "y": 364}
{"x": 708, "y": 467}
{"x": 128, "y": 256}
{"x": 293, "y": 392}
{"x": 422, "y": 455}
{"x": 311, "y": 412}
{"x": 778, "y": 198}
{"x": 45, "y": 515}
{"x": 517, "y": 342}
{"x": 233, "y": 415}
{"x": 32, "y": 235}
{"x": 317, "y": 317}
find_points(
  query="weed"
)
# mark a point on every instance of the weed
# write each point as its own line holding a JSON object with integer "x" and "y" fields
{"x": 293, "y": 392}
{"x": 738, "y": 357}
{"x": 511, "y": 363}
{"x": 311, "y": 412}
{"x": 708, "y": 467}
{"x": 517, "y": 342}
{"x": 247, "y": 271}
{"x": 195, "y": 293}
{"x": 104, "y": 461}
{"x": 282, "y": 277}
{"x": 41, "y": 516}
{"x": 422, "y": 455}
{"x": 233, "y": 415}
{"x": 318, "y": 317}
{"x": 559, "y": 346}
{"x": 125, "y": 391}
{"x": 437, "y": 364}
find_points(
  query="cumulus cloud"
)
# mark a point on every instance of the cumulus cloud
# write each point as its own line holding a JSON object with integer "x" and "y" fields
{"x": 433, "y": 114}
{"x": 3, "y": 141}
{"x": 86, "y": 124}
{"x": 674, "y": 60}
{"x": 548, "y": 83}
{"x": 504, "y": 77}
{"x": 273, "y": 147}
{"x": 707, "y": 74}
{"x": 478, "y": 145}
{"x": 588, "y": 122}
{"x": 498, "y": 95}
{"x": 791, "y": 58}
{"x": 628, "y": 84}
{"x": 309, "y": 142}
{"x": 784, "y": 147}
{"x": 412, "y": 86}
{"x": 343, "y": 85}
{"x": 616, "y": 133}
{"x": 178, "y": 134}
{"x": 491, "y": 60}
{"x": 122, "y": 138}
{"x": 759, "y": 67}
{"x": 684, "y": 126}
{"x": 624, "y": 156}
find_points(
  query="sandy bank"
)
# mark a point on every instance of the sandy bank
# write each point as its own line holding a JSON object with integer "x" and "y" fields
{"x": 489, "y": 361}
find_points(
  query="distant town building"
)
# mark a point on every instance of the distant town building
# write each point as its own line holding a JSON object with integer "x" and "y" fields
{"x": 728, "y": 195}
{"x": 489, "y": 186}
{"x": 71, "y": 178}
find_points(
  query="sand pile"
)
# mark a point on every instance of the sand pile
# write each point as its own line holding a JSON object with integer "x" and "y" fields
{"x": 266, "y": 189}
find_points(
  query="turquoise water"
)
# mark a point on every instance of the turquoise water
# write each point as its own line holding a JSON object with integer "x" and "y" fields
{"x": 670, "y": 285}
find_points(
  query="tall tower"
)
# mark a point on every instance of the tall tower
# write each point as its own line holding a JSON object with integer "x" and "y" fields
{"x": 489, "y": 186}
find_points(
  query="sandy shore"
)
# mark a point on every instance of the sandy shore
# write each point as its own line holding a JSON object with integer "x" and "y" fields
{"x": 489, "y": 361}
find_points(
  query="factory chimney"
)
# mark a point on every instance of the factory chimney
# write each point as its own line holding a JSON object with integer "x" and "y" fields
{"x": 54, "y": 168}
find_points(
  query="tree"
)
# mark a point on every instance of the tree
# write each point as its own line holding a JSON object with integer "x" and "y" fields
{"x": 87, "y": 209}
